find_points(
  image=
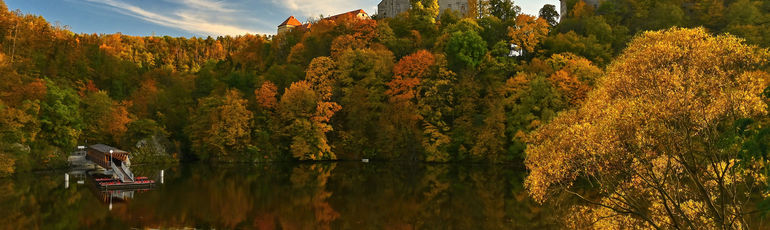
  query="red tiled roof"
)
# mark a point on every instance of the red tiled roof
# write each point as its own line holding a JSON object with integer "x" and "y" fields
{"x": 291, "y": 21}
{"x": 347, "y": 14}
{"x": 294, "y": 22}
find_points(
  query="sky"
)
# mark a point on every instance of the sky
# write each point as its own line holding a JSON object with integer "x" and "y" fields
{"x": 196, "y": 18}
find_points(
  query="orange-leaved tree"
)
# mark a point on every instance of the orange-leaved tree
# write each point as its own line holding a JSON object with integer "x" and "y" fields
{"x": 401, "y": 130}
{"x": 266, "y": 95}
{"x": 267, "y": 126}
{"x": 529, "y": 31}
{"x": 145, "y": 98}
{"x": 575, "y": 76}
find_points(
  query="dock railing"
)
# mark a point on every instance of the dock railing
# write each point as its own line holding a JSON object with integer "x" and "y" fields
{"x": 127, "y": 172}
{"x": 123, "y": 173}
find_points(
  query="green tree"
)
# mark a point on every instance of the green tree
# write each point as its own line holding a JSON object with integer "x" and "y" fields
{"x": 60, "y": 119}
{"x": 548, "y": 12}
{"x": 141, "y": 129}
{"x": 503, "y": 9}
{"x": 97, "y": 106}
{"x": 465, "y": 49}
{"x": 530, "y": 101}
{"x": 360, "y": 90}
{"x": 589, "y": 47}
{"x": 746, "y": 20}
{"x": 665, "y": 15}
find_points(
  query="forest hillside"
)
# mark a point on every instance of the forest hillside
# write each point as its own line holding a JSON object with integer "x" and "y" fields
{"x": 423, "y": 86}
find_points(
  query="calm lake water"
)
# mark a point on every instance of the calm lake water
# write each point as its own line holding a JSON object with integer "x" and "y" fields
{"x": 342, "y": 195}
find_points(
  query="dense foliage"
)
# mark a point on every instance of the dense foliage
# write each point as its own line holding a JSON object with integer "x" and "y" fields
{"x": 423, "y": 86}
{"x": 416, "y": 87}
{"x": 658, "y": 136}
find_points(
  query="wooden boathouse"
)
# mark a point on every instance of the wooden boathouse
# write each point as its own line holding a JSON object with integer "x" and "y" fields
{"x": 100, "y": 154}
{"x": 112, "y": 159}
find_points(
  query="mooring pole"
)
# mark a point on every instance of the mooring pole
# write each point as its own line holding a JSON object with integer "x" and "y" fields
{"x": 66, "y": 180}
{"x": 161, "y": 176}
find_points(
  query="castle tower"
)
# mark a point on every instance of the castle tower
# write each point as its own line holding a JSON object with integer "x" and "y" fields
{"x": 290, "y": 22}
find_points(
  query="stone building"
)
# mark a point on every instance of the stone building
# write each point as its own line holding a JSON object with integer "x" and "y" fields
{"x": 456, "y": 5}
{"x": 391, "y": 8}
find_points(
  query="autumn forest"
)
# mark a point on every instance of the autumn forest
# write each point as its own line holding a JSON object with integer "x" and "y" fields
{"x": 646, "y": 113}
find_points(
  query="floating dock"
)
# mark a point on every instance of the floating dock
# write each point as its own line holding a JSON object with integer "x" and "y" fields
{"x": 105, "y": 183}
{"x": 116, "y": 174}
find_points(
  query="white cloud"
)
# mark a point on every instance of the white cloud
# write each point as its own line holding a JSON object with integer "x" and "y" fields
{"x": 202, "y": 17}
{"x": 218, "y": 6}
{"x": 313, "y": 8}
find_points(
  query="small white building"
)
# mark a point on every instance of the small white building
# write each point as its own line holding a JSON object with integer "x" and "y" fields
{"x": 516, "y": 51}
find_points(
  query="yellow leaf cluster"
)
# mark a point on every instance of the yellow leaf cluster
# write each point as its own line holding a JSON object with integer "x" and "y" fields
{"x": 648, "y": 136}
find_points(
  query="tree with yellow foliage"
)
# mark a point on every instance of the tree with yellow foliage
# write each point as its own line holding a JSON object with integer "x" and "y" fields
{"x": 426, "y": 9}
{"x": 320, "y": 75}
{"x": 221, "y": 126}
{"x": 306, "y": 116}
{"x": 655, "y": 144}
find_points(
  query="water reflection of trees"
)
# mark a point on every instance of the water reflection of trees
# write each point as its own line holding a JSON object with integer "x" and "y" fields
{"x": 38, "y": 202}
{"x": 305, "y": 196}
{"x": 435, "y": 196}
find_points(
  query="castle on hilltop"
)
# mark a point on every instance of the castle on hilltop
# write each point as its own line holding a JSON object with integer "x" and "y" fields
{"x": 292, "y": 22}
{"x": 391, "y": 8}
